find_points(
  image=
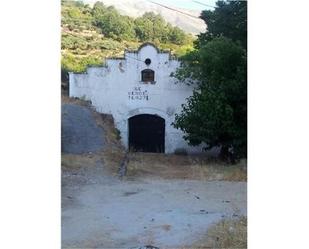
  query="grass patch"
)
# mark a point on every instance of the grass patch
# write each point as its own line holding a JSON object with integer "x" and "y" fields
{"x": 112, "y": 159}
{"x": 196, "y": 167}
{"x": 73, "y": 161}
{"x": 166, "y": 166}
{"x": 228, "y": 234}
{"x": 67, "y": 100}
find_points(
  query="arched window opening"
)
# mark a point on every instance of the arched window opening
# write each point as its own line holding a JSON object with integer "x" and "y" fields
{"x": 148, "y": 75}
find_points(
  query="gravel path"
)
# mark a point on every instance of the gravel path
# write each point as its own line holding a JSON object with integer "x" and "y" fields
{"x": 79, "y": 131}
{"x": 99, "y": 211}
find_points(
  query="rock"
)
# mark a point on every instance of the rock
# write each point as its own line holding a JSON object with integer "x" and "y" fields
{"x": 146, "y": 247}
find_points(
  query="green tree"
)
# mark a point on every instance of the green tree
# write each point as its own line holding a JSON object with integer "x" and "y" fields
{"x": 216, "y": 114}
{"x": 144, "y": 29}
{"x": 112, "y": 23}
{"x": 158, "y": 24}
{"x": 177, "y": 36}
{"x": 152, "y": 27}
{"x": 98, "y": 10}
{"x": 229, "y": 19}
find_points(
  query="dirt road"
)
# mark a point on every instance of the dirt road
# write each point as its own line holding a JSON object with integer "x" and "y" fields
{"x": 101, "y": 211}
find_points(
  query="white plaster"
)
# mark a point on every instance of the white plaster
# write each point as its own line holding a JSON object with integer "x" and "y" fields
{"x": 108, "y": 89}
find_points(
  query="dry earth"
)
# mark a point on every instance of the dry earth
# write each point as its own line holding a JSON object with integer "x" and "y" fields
{"x": 168, "y": 201}
{"x": 101, "y": 211}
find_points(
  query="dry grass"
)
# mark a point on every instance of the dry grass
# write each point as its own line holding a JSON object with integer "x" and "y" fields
{"x": 227, "y": 234}
{"x": 72, "y": 161}
{"x": 184, "y": 167}
{"x": 113, "y": 152}
{"x": 152, "y": 165}
{"x": 112, "y": 159}
{"x": 67, "y": 100}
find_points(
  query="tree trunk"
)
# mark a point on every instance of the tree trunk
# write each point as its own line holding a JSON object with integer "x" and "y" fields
{"x": 224, "y": 153}
{"x": 227, "y": 155}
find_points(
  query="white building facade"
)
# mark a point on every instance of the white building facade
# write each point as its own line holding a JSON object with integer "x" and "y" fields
{"x": 142, "y": 97}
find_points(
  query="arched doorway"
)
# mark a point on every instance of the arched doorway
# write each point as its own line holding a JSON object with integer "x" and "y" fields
{"x": 147, "y": 133}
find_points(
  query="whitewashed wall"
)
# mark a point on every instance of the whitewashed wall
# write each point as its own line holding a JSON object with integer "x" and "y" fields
{"x": 110, "y": 90}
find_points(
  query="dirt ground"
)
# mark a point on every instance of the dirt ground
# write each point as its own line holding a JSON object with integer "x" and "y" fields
{"x": 167, "y": 201}
{"x": 101, "y": 211}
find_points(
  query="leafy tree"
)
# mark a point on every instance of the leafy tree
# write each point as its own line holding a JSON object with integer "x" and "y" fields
{"x": 229, "y": 19}
{"x": 158, "y": 24}
{"x": 217, "y": 112}
{"x": 112, "y": 23}
{"x": 177, "y": 36}
{"x": 98, "y": 10}
{"x": 144, "y": 29}
{"x": 152, "y": 27}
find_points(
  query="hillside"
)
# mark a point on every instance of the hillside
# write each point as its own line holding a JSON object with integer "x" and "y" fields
{"x": 90, "y": 34}
{"x": 136, "y": 8}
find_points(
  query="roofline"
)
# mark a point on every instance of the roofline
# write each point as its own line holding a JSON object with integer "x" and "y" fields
{"x": 165, "y": 51}
{"x": 171, "y": 57}
{"x": 149, "y": 44}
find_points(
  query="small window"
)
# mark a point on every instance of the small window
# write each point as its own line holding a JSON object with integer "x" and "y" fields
{"x": 147, "y": 61}
{"x": 148, "y": 75}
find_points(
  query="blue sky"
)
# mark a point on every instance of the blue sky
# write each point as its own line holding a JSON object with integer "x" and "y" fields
{"x": 188, "y": 4}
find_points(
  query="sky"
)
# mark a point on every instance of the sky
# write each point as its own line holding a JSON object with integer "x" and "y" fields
{"x": 185, "y": 4}
{"x": 189, "y": 4}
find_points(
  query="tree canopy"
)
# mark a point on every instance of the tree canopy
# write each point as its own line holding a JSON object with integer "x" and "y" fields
{"x": 216, "y": 114}
{"x": 112, "y": 24}
{"x": 229, "y": 19}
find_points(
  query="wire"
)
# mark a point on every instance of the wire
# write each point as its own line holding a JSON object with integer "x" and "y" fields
{"x": 204, "y": 4}
{"x": 167, "y": 7}
{"x": 162, "y": 5}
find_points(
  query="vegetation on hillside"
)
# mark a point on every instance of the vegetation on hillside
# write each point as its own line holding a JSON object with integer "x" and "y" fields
{"x": 229, "y": 233}
{"x": 216, "y": 114}
{"x": 89, "y": 34}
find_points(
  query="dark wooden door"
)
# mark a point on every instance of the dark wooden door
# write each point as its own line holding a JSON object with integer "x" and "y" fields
{"x": 147, "y": 133}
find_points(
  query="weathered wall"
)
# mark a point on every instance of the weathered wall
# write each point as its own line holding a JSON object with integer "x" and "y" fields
{"x": 117, "y": 89}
